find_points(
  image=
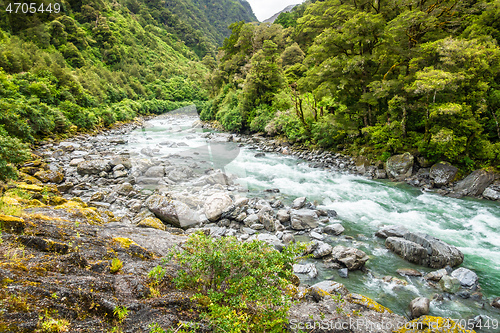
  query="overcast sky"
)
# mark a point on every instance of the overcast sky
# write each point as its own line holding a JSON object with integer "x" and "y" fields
{"x": 264, "y": 9}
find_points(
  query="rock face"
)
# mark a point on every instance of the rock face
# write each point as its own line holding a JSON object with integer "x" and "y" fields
{"x": 400, "y": 166}
{"x": 93, "y": 167}
{"x": 304, "y": 219}
{"x": 442, "y": 173}
{"x": 217, "y": 204}
{"x": 351, "y": 257}
{"x": 475, "y": 183}
{"x": 425, "y": 250}
{"x": 467, "y": 278}
{"x": 172, "y": 211}
{"x": 419, "y": 307}
{"x": 492, "y": 192}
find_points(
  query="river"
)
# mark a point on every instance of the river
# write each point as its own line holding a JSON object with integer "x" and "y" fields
{"x": 363, "y": 206}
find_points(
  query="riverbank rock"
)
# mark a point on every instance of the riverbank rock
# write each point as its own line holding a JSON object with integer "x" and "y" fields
{"x": 391, "y": 231}
{"x": 419, "y": 307}
{"x": 449, "y": 284}
{"x": 217, "y": 204}
{"x": 334, "y": 229}
{"x": 492, "y": 192}
{"x": 93, "y": 167}
{"x": 443, "y": 173}
{"x": 299, "y": 203}
{"x": 172, "y": 211}
{"x": 475, "y": 183}
{"x": 304, "y": 219}
{"x": 423, "y": 249}
{"x": 50, "y": 176}
{"x": 307, "y": 269}
{"x": 400, "y": 167}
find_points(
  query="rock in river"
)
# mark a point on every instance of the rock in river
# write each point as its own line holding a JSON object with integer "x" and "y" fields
{"x": 217, "y": 204}
{"x": 442, "y": 173}
{"x": 467, "y": 278}
{"x": 351, "y": 257}
{"x": 400, "y": 166}
{"x": 425, "y": 250}
{"x": 304, "y": 219}
{"x": 172, "y": 211}
{"x": 419, "y": 307}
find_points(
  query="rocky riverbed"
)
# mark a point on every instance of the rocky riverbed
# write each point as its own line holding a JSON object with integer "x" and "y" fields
{"x": 154, "y": 192}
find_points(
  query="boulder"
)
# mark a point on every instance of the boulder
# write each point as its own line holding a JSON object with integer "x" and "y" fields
{"x": 334, "y": 229}
{"x": 492, "y": 192}
{"x": 496, "y": 303}
{"x": 351, "y": 257}
{"x": 217, "y": 204}
{"x": 124, "y": 189}
{"x": 408, "y": 272}
{"x": 400, "y": 166}
{"x": 330, "y": 287}
{"x": 93, "y": 167}
{"x": 151, "y": 222}
{"x": 443, "y": 173}
{"x": 423, "y": 249}
{"x": 362, "y": 164}
{"x": 283, "y": 216}
{"x": 419, "y": 307}
{"x": 266, "y": 218}
{"x": 50, "y": 176}
{"x": 172, "y": 211}
{"x": 299, "y": 203}
{"x": 475, "y": 183}
{"x": 155, "y": 172}
{"x": 321, "y": 250}
{"x": 467, "y": 278}
{"x": 436, "y": 275}
{"x": 304, "y": 219}
{"x": 391, "y": 231}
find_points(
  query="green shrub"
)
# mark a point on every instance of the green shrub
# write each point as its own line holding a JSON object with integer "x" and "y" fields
{"x": 240, "y": 283}
{"x": 231, "y": 119}
{"x": 12, "y": 151}
{"x": 263, "y": 116}
{"x": 326, "y": 133}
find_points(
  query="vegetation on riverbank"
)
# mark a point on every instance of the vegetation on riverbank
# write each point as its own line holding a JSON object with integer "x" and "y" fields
{"x": 372, "y": 78}
{"x": 92, "y": 64}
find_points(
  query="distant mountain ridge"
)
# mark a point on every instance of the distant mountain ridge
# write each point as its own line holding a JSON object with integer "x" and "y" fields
{"x": 275, "y": 16}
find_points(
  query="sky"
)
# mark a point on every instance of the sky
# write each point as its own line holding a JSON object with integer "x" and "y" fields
{"x": 264, "y": 9}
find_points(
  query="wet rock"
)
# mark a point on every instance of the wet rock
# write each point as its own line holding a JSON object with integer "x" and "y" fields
{"x": 380, "y": 174}
{"x": 400, "y": 166}
{"x": 425, "y": 250}
{"x": 124, "y": 189}
{"x": 419, "y": 307}
{"x": 322, "y": 250}
{"x": 216, "y": 205}
{"x": 50, "y": 176}
{"x": 467, "y": 278}
{"x": 442, "y": 173}
{"x": 391, "y": 231}
{"x": 316, "y": 235}
{"x": 449, "y": 284}
{"x": 351, "y": 257}
{"x": 408, "y": 272}
{"x": 334, "y": 229}
{"x": 155, "y": 172}
{"x": 475, "y": 183}
{"x": 251, "y": 219}
{"x": 93, "y": 167}
{"x": 362, "y": 164}
{"x": 436, "y": 275}
{"x": 307, "y": 269}
{"x": 304, "y": 219}
{"x": 343, "y": 273}
{"x": 299, "y": 203}
{"x": 259, "y": 155}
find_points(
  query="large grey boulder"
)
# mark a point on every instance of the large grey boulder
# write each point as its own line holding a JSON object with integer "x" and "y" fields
{"x": 475, "y": 183}
{"x": 419, "y": 307}
{"x": 351, "y": 257}
{"x": 400, "y": 166}
{"x": 362, "y": 164}
{"x": 217, "y": 204}
{"x": 157, "y": 171}
{"x": 423, "y": 249}
{"x": 467, "y": 278}
{"x": 299, "y": 203}
{"x": 322, "y": 250}
{"x": 443, "y": 173}
{"x": 93, "y": 167}
{"x": 172, "y": 211}
{"x": 304, "y": 219}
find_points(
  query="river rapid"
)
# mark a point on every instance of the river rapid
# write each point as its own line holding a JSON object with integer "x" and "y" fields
{"x": 363, "y": 206}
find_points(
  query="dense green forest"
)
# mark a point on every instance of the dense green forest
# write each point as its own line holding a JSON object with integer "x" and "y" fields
{"x": 87, "y": 64}
{"x": 370, "y": 77}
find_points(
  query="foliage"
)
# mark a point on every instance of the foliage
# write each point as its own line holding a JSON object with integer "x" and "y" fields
{"x": 241, "y": 284}
{"x": 12, "y": 151}
{"x": 390, "y": 76}
{"x": 121, "y": 312}
{"x": 116, "y": 265}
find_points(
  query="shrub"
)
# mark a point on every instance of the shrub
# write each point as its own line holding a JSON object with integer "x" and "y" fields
{"x": 241, "y": 284}
{"x": 12, "y": 151}
{"x": 263, "y": 115}
{"x": 116, "y": 265}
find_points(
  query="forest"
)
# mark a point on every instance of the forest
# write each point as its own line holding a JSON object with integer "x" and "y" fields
{"x": 368, "y": 77}
{"x": 91, "y": 63}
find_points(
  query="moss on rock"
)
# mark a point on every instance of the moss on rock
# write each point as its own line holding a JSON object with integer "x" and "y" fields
{"x": 368, "y": 303}
{"x": 429, "y": 324}
{"x": 151, "y": 222}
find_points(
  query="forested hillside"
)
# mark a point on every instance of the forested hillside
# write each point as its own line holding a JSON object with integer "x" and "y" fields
{"x": 79, "y": 65}
{"x": 374, "y": 78}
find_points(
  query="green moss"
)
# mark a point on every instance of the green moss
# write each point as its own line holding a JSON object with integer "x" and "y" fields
{"x": 368, "y": 303}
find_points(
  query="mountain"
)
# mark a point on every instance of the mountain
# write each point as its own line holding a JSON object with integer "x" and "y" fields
{"x": 87, "y": 64}
{"x": 275, "y": 16}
